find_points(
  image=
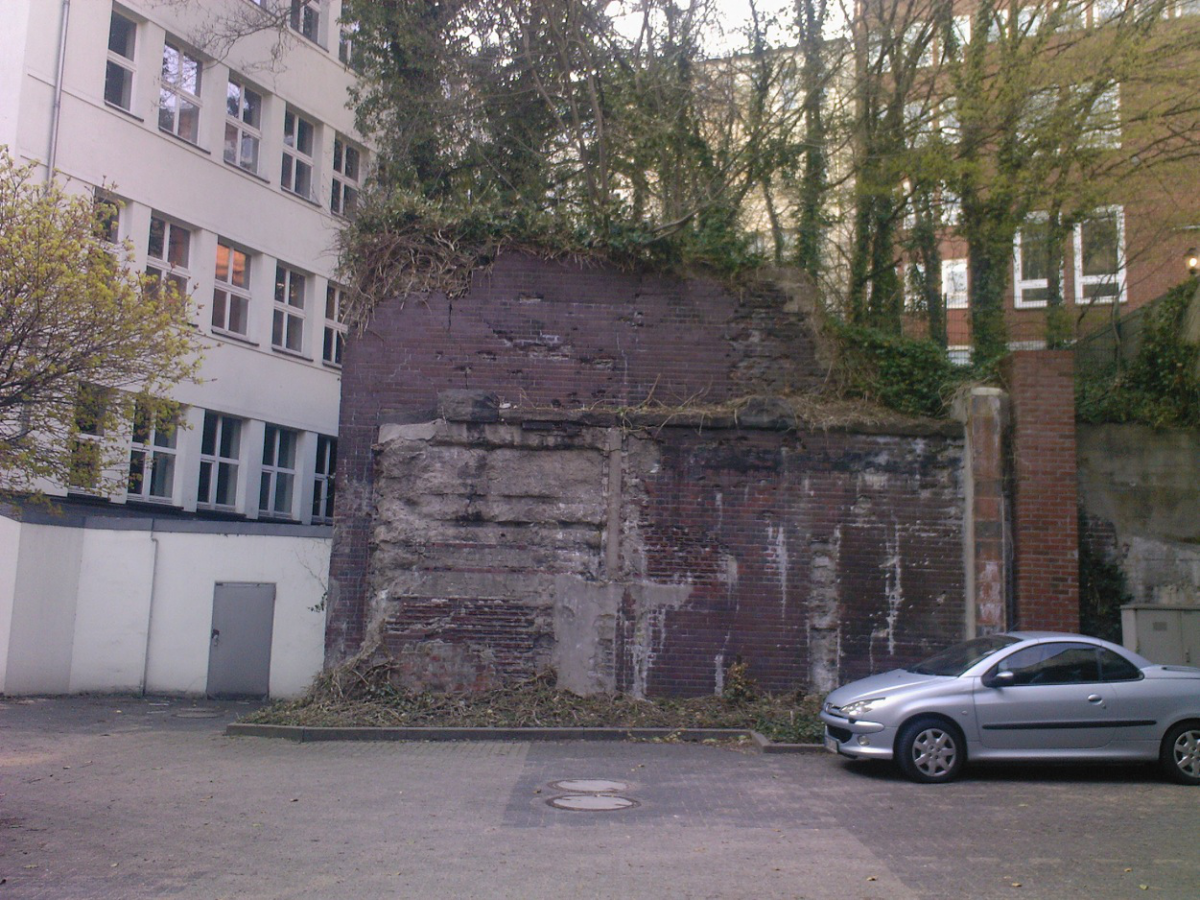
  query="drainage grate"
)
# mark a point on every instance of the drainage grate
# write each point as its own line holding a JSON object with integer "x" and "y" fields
{"x": 592, "y": 802}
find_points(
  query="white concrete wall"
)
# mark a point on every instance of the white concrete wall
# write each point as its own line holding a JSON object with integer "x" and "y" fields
{"x": 122, "y": 607}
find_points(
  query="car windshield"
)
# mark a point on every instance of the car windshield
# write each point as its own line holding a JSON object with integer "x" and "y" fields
{"x": 957, "y": 659}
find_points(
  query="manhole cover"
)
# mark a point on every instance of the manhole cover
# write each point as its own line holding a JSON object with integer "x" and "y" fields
{"x": 590, "y": 786}
{"x": 198, "y": 713}
{"x": 592, "y": 802}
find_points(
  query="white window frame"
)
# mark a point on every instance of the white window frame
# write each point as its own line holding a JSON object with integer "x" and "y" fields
{"x": 961, "y": 26}
{"x": 277, "y": 485}
{"x": 88, "y": 439}
{"x": 956, "y": 285}
{"x": 334, "y": 337}
{"x": 1083, "y": 281}
{"x": 287, "y": 323}
{"x": 950, "y": 208}
{"x": 1102, "y": 127}
{"x": 243, "y": 125}
{"x": 913, "y": 299}
{"x": 217, "y": 465}
{"x": 125, "y": 62}
{"x": 178, "y": 90}
{"x": 347, "y": 36}
{"x": 347, "y": 178}
{"x": 307, "y": 18}
{"x": 154, "y": 447}
{"x": 1023, "y": 285}
{"x": 324, "y": 483}
{"x": 295, "y": 158}
{"x": 228, "y": 295}
{"x": 167, "y": 265}
{"x": 107, "y": 208}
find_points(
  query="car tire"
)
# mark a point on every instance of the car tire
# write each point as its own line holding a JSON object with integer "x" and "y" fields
{"x": 1180, "y": 753}
{"x": 930, "y": 750}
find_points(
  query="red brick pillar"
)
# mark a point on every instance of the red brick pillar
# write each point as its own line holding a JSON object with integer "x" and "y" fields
{"x": 1045, "y": 521}
{"x": 986, "y": 521}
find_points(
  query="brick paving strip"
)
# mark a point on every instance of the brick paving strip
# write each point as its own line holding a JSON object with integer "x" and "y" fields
{"x": 309, "y": 733}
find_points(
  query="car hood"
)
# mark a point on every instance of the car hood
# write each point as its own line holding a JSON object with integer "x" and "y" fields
{"x": 880, "y": 685}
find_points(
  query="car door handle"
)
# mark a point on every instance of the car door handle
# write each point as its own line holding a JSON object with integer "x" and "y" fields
{"x": 1095, "y": 698}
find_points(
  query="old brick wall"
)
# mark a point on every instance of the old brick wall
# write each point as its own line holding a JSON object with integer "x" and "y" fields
{"x": 1045, "y": 525}
{"x": 482, "y": 542}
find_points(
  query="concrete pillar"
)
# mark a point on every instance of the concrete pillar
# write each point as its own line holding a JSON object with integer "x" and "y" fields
{"x": 986, "y": 521}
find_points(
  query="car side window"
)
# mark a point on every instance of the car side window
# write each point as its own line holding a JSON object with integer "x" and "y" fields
{"x": 1058, "y": 663}
{"x": 1114, "y": 667}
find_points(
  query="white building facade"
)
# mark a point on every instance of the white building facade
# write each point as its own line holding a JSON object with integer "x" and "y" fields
{"x": 229, "y": 166}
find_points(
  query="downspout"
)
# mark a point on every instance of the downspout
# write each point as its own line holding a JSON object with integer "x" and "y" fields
{"x": 150, "y": 611}
{"x": 52, "y": 156}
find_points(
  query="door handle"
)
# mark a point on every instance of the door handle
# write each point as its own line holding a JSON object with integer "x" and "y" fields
{"x": 1095, "y": 698}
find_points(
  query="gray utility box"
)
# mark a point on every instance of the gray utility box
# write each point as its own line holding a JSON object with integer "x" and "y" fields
{"x": 1168, "y": 635}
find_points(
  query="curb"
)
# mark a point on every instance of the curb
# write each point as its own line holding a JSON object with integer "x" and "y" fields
{"x": 305, "y": 734}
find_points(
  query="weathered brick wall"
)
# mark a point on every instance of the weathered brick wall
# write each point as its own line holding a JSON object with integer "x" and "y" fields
{"x": 486, "y": 543}
{"x": 1045, "y": 525}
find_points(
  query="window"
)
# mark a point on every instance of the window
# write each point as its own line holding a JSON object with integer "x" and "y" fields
{"x": 348, "y": 51}
{"x": 343, "y": 199}
{"x": 297, "y": 154}
{"x": 1114, "y": 667}
{"x": 179, "y": 93}
{"x": 1100, "y": 258}
{"x": 278, "y": 472}
{"x": 1102, "y": 124}
{"x": 87, "y": 439}
{"x": 960, "y": 34}
{"x": 918, "y": 124}
{"x": 1031, "y": 276}
{"x": 220, "y": 452}
{"x": 1038, "y": 109}
{"x": 243, "y": 110}
{"x": 918, "y": 44}
{"x": 335, "y": 331}
{"x": 914, "y": 287}
{"x": 948, "y": 125}
{"x": 955, "y": 286}
{"x": 118, "y": 75}
{"x": 152, "y": 456}
{"x": 287, "y": 329}
{"x": 1106, "y": 10}
{"x": 323, "y": 479}
{"x": 1058, "y": 663}
{"x": 306, "y": 18}
{"x": 951, "y": 209}
{"x": 167, "y": 254}
{"x": 107, "y": 209}
{"x": 997, "y": 25}
{"x": 231, "y": 295}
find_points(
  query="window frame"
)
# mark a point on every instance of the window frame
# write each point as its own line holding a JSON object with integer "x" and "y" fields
{"x": 275, "y": 475}
{"x": 1023, "y": 285}
{"x": 242, "y": 129}
{"x": 333, "y": 341}
{"x": 87, "y": 439}
{"x": 324, "y": 479}
{"x": 288, "y": 313}
{"x": 214, "y": 463}
{"x": 1082, "y": 281}
{"x": 345, "y": 188}
{"x": 234, "y": 294}
{"x": 158, "y": 447}
{"x": 295, "y": 157}
{"x": 165, "y": 268}
{"x": 957, "y": 299}
{"x": 298, "y": 21}
{"x": 181, "y": 93}
{"x": 115, "y": 59}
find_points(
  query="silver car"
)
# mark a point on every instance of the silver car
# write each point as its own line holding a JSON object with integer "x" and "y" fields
{"x": 1021, "y": 696}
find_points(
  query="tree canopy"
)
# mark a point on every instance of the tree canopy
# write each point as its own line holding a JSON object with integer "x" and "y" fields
{"x": 85, "y": 340}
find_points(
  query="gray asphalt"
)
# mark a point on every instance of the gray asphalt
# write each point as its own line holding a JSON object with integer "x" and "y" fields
{"x": 133, "y": 798}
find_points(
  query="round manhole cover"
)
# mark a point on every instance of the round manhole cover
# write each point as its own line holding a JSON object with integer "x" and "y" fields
{"x": 592, "y": 802}
{"x": 590, "y": 786}
{"x": 198, "y": 713}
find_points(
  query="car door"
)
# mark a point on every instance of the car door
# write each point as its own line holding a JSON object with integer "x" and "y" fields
{"x": 1044, "y": 698}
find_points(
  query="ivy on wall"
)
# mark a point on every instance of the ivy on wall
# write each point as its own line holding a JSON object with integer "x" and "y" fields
{"x": 1160, "y": 386}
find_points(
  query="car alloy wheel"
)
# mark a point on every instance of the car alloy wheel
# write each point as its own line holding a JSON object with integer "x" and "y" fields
{"x": 1181, "y": 753}
{"x": 930, "y": 751}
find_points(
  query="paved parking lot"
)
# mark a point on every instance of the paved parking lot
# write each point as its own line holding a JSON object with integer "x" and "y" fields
{"x": 131, "y": 798}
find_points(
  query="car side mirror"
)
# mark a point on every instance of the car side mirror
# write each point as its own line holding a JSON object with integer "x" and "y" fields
{"x": 999, "y": 679}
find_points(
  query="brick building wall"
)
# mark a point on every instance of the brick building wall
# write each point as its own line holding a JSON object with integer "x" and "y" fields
{"x": 542, "y": 528}
{"x": 1044, "y": 490}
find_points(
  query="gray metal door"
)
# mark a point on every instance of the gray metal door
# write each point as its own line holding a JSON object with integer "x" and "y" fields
{"x": 239, "y": 653}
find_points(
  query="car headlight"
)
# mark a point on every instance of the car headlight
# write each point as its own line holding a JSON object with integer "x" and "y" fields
{"x": 860, "y": 708}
